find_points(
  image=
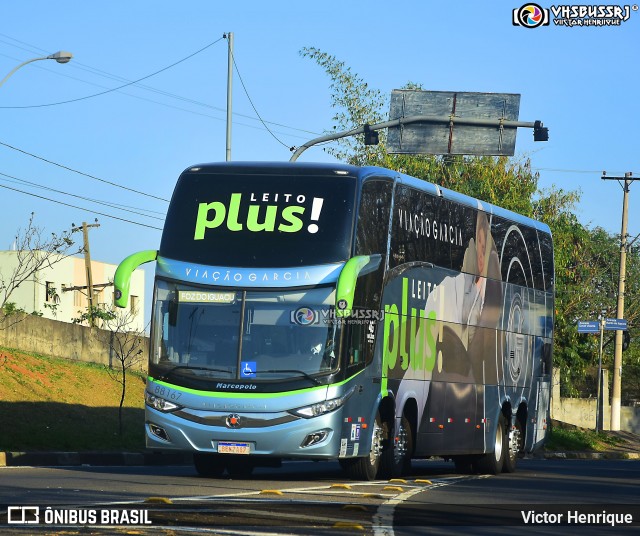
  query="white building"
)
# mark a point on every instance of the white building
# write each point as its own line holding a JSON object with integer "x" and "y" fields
{"x": 44, "y": 293}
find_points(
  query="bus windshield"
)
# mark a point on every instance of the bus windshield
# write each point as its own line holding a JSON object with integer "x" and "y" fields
{"x": 227, "y": 334}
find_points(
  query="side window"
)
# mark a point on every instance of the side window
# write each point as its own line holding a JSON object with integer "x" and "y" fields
{"x": 373, "y": 218}
{"x": 419, "y": 232}
{"x": 372, "y": 237}
{"x": 546, "y": 250}
{"x": 357, "y": 354}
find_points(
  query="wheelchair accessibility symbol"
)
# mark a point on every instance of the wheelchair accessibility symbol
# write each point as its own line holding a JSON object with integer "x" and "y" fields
{"x": 247, "y": 369}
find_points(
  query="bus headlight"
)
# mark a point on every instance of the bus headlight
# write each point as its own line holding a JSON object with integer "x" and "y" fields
{"x": 321, "y": 408}
{"x": 160, "y": 403}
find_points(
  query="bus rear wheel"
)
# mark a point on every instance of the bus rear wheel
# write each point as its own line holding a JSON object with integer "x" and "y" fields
{"x": 514, "y": 446}
{"x": 397, "y": 451}
{"x": 492, "y": 462}
{"x": 208, "y": 465}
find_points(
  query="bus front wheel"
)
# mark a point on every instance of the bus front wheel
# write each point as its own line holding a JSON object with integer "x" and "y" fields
{"x": 366, "y": 468}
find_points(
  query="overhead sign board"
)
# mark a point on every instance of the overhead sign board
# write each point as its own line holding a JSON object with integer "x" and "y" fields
{"x": 615, "y": 324}
{"x": 447, "y": 136}
{"x": 588, "y": 326}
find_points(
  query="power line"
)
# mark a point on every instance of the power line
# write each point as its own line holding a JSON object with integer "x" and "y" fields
{"x": 188, "y": 100}
{"x": 252, "y": 105}
{"x": 116, "y": 88}
{"x": 124, "y": 208}
{"x": 185, "y": 99}
{"x": 80, "y": 208}
{"x": 82, "y": 173}
{"x": 82, "y": 66}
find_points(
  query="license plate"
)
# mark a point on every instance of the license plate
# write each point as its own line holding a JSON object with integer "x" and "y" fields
{"x": 233, "y": 447}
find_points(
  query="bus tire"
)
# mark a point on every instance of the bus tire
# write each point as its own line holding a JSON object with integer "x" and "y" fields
{"x": 397, "y": 451}
{"x": 514, "y": 445}
{"x": 208, "y": 465}
{"x": 366, "y": 468}
{"x": 492, "y": 462}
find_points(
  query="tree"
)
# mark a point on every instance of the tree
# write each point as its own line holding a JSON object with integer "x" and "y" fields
{"x": 92, "y": 314}
{"x": 126, "y": 347}
{"x": 586, "y": 276}
{"x": 34, "y": 251}
{"x": 356, "y": 104}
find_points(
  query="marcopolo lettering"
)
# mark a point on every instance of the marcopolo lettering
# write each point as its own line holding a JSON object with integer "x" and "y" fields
{"x": 238, "y": 386}
{"x": 259, "y": 217}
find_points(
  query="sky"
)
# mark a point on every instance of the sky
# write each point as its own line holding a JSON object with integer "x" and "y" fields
{"x": 67, "y": 127}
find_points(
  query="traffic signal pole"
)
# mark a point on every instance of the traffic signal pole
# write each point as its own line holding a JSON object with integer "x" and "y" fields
{"x": 617, "y": 359}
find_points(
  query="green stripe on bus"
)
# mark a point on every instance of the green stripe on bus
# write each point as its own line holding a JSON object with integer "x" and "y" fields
{"x": 227, "y": 394}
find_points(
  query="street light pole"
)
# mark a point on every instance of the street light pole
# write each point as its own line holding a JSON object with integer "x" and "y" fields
{"x": 60, "y": 56}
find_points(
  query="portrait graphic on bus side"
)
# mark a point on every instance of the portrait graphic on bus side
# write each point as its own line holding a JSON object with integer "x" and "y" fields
{"x": 462, "y": 321}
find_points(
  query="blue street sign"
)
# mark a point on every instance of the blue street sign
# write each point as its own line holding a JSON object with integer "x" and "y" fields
{"x": 614, "y": 324}
{"x": 588, "y": 326}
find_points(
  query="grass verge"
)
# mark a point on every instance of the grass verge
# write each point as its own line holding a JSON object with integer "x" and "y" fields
{"x": 57, "y": 404}
{"x": 580, "y": 439}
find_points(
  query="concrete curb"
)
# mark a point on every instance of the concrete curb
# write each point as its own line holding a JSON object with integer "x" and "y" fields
{"x": 613, "y": 455}
{"x": 40, "y": 459}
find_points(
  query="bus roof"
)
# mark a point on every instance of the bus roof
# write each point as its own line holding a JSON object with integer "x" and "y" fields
{"x": 286, "y": 168}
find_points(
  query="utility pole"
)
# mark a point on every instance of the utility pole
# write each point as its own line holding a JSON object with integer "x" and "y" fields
{"x": 229, "y": 37}
{"x": 87, "y": 265}
{"x": 599, "y": 400}
{"x": 617, "y": 358}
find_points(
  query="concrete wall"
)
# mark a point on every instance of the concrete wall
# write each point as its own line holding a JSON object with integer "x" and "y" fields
{"x": 61, "y": 339}
{"x": 582, "y": 411}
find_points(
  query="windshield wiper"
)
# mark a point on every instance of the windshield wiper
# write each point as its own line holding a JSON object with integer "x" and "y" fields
{"x": 301, "y": 372}
{"x": 166, "y": 375}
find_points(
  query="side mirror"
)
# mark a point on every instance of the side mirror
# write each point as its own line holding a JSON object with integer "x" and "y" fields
{"x": 346, "y": 287}
{"x": 122, "y": 278}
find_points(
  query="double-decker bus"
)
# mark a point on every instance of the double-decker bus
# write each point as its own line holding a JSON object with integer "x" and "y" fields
{"x": 334, "y": 312}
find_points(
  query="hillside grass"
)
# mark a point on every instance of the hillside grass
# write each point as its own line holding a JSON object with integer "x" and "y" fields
{"x": 49, "y": 404}
{"x": 571, "y": 438}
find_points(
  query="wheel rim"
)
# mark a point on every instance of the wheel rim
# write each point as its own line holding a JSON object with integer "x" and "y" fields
{"x": 401, "y": 444}
{"x": 514, "y": 442}
{"x": 376, "y": 444}
{"x": 498, "y": 446}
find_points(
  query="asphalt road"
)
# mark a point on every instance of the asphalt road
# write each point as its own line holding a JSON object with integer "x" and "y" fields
{"x": 309, "y": 498}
